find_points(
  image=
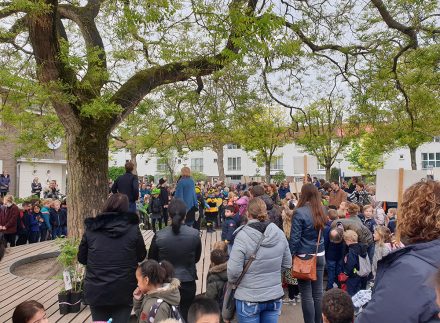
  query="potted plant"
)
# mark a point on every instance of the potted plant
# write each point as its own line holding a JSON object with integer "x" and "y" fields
{"x": 73, "y": 273}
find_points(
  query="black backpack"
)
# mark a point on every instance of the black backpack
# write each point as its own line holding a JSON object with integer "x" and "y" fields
{"x": 156, "y": 206}
{"x": 175, "y": 314}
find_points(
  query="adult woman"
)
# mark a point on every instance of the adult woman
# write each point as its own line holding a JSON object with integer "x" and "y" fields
{"x": 111, "y": 248}
{"x": 8, "y": 219}
{"x": 307, "y": 225}
{"x": 259, "y": 295}
{"x": 181, "y": 246}
{"x": 403, "y": 292}
{"x": 36, "y": 187}
{"x": 5, "y": 180}
{"x": 186, "y": 191}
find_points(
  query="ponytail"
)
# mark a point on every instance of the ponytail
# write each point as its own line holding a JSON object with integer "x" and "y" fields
{"x": 158, "y": 273}
{"x": 177, "y": 212}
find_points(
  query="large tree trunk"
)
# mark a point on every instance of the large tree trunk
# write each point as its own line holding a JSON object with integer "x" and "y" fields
{"x": 328, "y": 173}
{"x": 87, "y": 173}
{"x": 267, "y": 168}
{"x": 218, "y": 149}
{"x": 133, "y": 156}
{"x": 412, "y": 152}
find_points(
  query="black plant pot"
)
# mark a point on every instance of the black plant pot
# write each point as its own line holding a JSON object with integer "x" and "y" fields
{"x": 75, "y": 301}
{"x": 63, "y": 302}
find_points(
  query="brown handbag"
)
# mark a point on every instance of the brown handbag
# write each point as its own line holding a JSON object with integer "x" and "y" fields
{"x": 305, "y": 269}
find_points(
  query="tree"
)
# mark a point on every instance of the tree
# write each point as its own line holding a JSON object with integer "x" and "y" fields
{"x": 366, "y": 155}
{"x": 95, "y": 63}
{"x": 324, "y": 131}
{"x": 264, "y": 131}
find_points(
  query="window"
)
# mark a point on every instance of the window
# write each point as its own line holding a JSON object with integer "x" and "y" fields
{"x": 320, "y": 167}
{"x": 277, "y": 163}
{"x": 234, "y": 177}
{"x": 215, "y": 160}
{"x": 233, "y": 146}
{"x": 437, "y": 139}
{"x": 401, "y": 157}
{"x": 234, "y": 163}
{"x": 197, "y": 165}
{"x": 179, "y": 161}
{"x": 430, "y": 160}
{"x": 161, "y": 165}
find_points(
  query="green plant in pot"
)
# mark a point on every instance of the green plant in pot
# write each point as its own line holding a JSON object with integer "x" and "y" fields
{"x": 73, "y": 274}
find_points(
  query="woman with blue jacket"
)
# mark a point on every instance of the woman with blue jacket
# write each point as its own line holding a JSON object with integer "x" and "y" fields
{"x": 186, "y": 191}
{"x": 308, "y": 221}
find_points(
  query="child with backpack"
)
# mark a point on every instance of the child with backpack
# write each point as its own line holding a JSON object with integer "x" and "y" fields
{"x": 155, "y": 209}
{"x": 357, "y": 265}
{"x": 157, "y": 296}
{"x": 217, "y": 276}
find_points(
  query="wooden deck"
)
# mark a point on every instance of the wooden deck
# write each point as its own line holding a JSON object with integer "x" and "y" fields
{"x": 14, "y": 289}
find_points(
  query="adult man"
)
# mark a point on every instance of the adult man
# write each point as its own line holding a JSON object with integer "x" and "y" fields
{"x": 359, "y": 196}
{"x": 52, "y": 192}
{"x": 128, "y": 184}
{"x": 337, "y": 196}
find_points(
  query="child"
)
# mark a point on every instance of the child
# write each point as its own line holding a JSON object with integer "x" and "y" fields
{"x": 157, "y": 296}
{"x": 369, "y": 221}
{"x": 34, "y": 224}
{"x": 204, "y": 310}
{"x": 217, "y": 276}
{"x": 211, "y": 213}
{"x": 45, "y": 211}
{"x": 357, "y": 279}
{"x": 392, "y": 219}
{"x": 229, "y": 227}
{"x": 155, "y": 209}
{"x": 382, "y": 247}
{"x": 29, "y": 312}
{"x": 23, "y": 224}
{"x": 220, "y": 245}
{"x": 143, "y": 213}
{"x": 337, "y": 307}
{"x": 292, "y": 283}
{"x": 58, "y": 220}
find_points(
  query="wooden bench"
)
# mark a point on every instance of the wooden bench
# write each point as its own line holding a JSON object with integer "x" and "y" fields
{"x": 14, "y": 289}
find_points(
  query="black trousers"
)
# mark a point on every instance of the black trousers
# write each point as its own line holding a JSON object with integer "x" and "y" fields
{"x": 22, "y": 239}
{"x": 10, "y": 237}
{"x": 118, "y": 313}
{"x": 187, "y": 294}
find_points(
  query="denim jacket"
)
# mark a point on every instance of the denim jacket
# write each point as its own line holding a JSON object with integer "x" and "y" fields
{"x": 303, "y": 235}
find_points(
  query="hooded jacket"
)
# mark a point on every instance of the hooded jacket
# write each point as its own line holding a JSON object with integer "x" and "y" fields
{"x": 273, "y": 211}
{"x": 351, "y": 265}
{"x": 262, "y": 281}
{"x": 127, "y": 184}
{"x": 364, "y": 234}
{"x": 403, "y": 291}
{"x": 111, "y": 248}
{"x": 216, "y": 280}
{"x": 170, "y": 296}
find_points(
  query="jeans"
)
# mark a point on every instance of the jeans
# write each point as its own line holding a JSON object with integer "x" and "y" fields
{"x": 264, "y": 312}
{"x": 311, "y": 294}
{"x": 118, "y": 313}
{"x": 187, "y": 294}
{"x": 153, "y": 222}
{"x": 334, "y": 268}
{"x": 43, "y": 234}
{"x": 56, "y": 232}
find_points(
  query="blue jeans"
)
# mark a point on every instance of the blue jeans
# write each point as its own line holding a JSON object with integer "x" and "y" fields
{"x": 311, "y": 294}
{"x": 334, "y": 268}
{"x": 264, "y": 312}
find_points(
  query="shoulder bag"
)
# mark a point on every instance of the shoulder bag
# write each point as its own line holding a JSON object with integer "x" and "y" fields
{"x": 228, "y": 308}
{"x": 305, "y": 269}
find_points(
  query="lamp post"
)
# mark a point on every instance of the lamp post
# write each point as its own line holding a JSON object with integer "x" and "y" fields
{"x": 339, "y": 160}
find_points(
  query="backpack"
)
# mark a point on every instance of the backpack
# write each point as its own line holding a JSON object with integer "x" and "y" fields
{"x": 364, "y": 266}
{"x": 175, "y": 314}
{"x": 156, "y": 206}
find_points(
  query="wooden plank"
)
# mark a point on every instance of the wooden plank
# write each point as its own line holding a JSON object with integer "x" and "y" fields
{"x": 199, "y": 265}
{"x": 7, "y": 262}
{"x": 207, "y": 259}
{"x": 82, "y": 316}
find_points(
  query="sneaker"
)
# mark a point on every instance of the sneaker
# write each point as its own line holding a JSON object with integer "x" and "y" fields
{"x": 298, "y": 298}
{"x": 286, "y": 300}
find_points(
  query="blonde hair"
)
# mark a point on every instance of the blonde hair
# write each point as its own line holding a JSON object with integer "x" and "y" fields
{"x": 419, "y": 220}
{"x": 287, "y": 215}
{"x": 8, "y": 198}
{"x": 220, "y": 245}
{"x": 351, "y": 235}
{"x": 185, "y": 171}
{"x": 384, "y": 234}
{"x": 367, "y": 206}
{"x": 257, "y": 209}
{"x": 393, "y": 210}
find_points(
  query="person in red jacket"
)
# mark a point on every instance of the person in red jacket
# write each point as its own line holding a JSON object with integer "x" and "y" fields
{"x": 8, "y": 219}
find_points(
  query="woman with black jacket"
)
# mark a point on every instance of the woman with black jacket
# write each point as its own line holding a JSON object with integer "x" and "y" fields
{"x": 307, "y": 224}
{"x": 182, "y": 247}
{"x": 111, "y": 249}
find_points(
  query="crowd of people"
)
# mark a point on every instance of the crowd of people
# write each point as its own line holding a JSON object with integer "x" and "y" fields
{"x": 342, "y": 232}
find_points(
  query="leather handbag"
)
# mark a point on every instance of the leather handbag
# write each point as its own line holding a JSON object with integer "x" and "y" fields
{"x": 305, "y": 269}
{"x": 228, "y": 308}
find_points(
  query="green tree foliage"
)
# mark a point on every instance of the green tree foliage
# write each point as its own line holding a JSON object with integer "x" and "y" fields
{"x": 264, "y": 131}
{"x": 366, "y": 155}
{"x": 279, "y": 176}
{"x": 115, "y": 171}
